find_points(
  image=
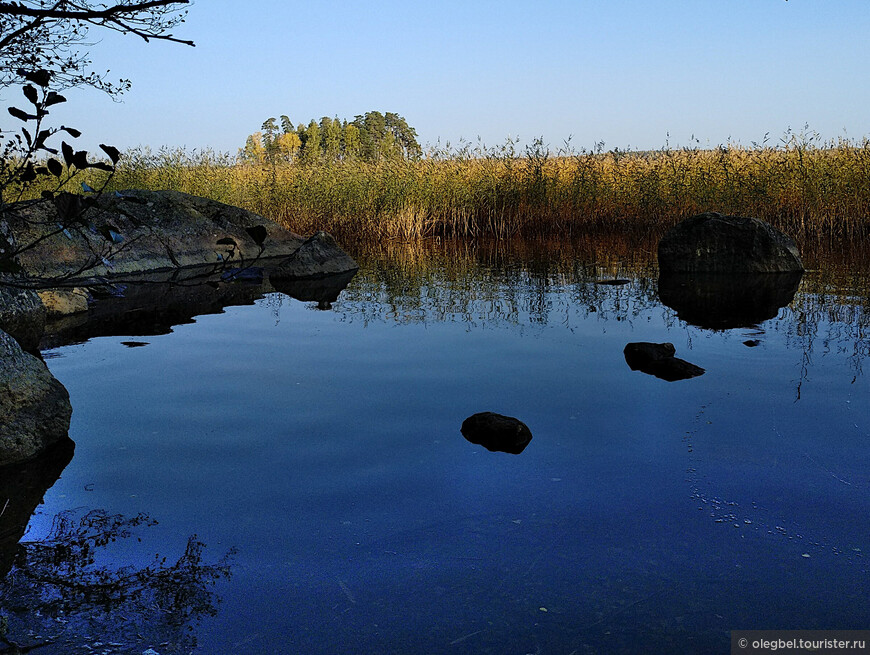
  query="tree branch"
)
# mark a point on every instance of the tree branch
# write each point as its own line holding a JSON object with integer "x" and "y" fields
{"x": 16, "y": 9}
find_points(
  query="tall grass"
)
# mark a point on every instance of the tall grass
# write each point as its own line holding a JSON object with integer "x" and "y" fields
{"x": 814, "y": 190}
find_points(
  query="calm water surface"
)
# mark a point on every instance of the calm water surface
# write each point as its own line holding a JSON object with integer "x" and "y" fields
{"x": 323, "y": 448}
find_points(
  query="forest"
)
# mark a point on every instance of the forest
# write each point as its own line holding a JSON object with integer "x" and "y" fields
{"x": 370, "y": 137}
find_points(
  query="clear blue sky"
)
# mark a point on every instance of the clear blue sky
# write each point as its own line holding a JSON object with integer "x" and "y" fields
{"x": 626, "y": 72}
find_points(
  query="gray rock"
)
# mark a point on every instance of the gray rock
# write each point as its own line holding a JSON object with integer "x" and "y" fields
{"x": 22, "y": 315}
{"x": 713, "y": 243}
{"x": 160, "y": 230}
{"x": 317, "y": 257}
{"x": 496, "y": 432}
{"x": 63, "y": 302}
{"x": 34, "y": 407}
{"x": 658, "y": 359}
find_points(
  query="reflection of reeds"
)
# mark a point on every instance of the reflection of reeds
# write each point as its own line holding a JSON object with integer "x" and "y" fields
{"x": 534, "y": 283}
{"x": 812, "y": 190}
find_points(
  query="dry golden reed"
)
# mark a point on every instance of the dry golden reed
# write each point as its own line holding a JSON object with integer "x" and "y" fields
{"x": 815, "y": 191}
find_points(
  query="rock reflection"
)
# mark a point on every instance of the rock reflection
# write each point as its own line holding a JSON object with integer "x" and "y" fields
{"x": 658, "y": 359}
{"x": 22, "y": 488}
{"x": 59, "y": 591}
{"x": 726, "y": 301}
{"x": 152, "y": 304}
{"x": 324, "y": 291}
{"x": 497, "y": 433}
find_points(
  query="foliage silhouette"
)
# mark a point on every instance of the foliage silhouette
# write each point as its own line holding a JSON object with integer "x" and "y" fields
{"x": 67, "y": 589}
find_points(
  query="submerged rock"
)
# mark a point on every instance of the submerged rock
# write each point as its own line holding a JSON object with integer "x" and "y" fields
{"x": 496, "y": 432}
{"x": 658, "y": 359}
{"x": 317, "y": 257}
{"x": 34, "y": 407}
{"x": 719, "y": 301}
{"x": 713, "y": 243}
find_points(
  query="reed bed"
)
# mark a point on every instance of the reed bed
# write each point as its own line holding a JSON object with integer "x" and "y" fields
{"x": 816, "y": 191}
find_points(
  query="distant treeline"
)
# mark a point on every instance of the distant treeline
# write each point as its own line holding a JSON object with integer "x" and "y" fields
{"x": 372, "y": 137}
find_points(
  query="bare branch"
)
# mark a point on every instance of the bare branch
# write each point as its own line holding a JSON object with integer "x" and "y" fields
{"x": 17, "y": 9}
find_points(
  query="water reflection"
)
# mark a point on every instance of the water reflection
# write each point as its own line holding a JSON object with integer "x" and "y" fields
{"x": 658, "y": 359}
{"x": 22, "y": 488}
{"x": 530, "y": 285}
{"x": 153, "y": 304}
{"x": 324, "y": 291}
{"x": 725, "y": 301}
{"x": 61, "y": 591}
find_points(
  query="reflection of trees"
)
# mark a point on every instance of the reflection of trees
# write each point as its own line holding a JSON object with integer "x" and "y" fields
{"x": 66, "y": 590}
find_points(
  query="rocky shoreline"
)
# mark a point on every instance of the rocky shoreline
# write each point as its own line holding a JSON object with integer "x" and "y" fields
{"x": 170, "y": 238}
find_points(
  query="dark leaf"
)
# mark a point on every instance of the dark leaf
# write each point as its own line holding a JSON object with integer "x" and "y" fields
{"x": 112, "y": 151}
{"x": 68, "y": 153}
{"x": 80, "y": 159}
{"x": 257, "y": 233}
{"x": 41, "y": 138}
{"x": 40, "y": 77}
{"x": 55, "y": 167}
{"x": 68, "y": 206}
{"x": 54, "y": 99}
{"x": 31, "y": 94}
{"x": 42, "y": 170}
{"x": 227, "y": 241}
{"x": 73, "y": 132}
{"x": 48, "y": 195}
{"x": 27, "y": 136}
{"x": 9, "y": 265}
{"x": 21, "y": 115}
{"x": 28, "y": 174}
{"x": 102, "y": 166}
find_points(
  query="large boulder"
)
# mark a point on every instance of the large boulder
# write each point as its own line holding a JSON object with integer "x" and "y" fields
{"x": 319, "y": 256}
{"x": 22, "y": 315}
{"x": 713, "y": 243}
{"x": 146, "y": 231}
{"x": 34, "y": 407}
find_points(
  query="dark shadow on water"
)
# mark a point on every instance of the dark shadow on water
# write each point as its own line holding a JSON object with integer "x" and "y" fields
{"x": 727, "y": 301}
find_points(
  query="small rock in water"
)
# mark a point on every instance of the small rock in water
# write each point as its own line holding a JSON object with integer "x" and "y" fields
{"x": 496, "y": 432}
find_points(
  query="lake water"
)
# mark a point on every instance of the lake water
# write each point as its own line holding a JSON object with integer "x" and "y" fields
{"x": 319, "y": 450}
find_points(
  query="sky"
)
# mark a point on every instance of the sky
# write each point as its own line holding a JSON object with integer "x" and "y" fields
{"x": 628, "y": 73}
